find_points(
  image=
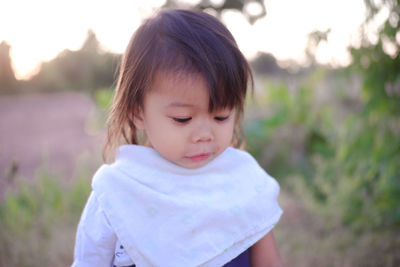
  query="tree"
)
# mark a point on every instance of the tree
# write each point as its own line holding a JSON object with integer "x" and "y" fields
{"x": 379, "y": 62}
{"x": 314, "y": 39}
{"x": 244, "y": 6}
{"x": 265, "y": 63}
{"x": 7, "y": 77}
{"x": 87, "y": 69}
{"x": 362, "y": 179}
{"x": 91, "y": 44}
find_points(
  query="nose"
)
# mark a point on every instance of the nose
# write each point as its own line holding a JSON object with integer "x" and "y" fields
{"x": 203, "y": 133}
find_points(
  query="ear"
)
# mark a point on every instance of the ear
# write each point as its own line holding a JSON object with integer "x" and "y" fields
{"x": 138, "y": 119}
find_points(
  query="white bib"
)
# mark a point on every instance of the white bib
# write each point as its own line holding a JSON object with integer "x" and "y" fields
{"x": 167, "y": 215}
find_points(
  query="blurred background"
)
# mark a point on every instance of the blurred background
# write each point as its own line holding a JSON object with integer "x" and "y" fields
{"x": 324, "y": 119}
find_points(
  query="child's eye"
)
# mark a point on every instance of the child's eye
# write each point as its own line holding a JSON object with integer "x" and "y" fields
{"x": 182, "y": 120}
{"x": 221, "y": 118}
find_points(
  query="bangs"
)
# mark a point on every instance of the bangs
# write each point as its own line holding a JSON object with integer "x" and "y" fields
{"x": 178, "y": 43}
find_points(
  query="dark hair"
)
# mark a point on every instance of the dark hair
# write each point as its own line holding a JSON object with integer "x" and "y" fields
{"x": 177, "y": 41}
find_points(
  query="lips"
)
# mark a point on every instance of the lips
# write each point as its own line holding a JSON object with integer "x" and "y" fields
{"x": 200, "y": 157}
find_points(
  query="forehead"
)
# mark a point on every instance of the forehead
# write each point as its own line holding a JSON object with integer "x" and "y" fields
{"x": 180, "y": 87}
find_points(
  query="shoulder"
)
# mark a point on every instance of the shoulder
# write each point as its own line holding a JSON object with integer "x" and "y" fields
{"x": 103, "y": 174}
{"x": 107, "y": 176}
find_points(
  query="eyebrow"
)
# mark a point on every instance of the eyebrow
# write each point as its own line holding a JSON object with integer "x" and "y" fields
{"x": 179, "y": 104}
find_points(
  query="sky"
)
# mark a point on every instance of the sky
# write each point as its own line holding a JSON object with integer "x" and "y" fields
{"x": 38, "y": 30}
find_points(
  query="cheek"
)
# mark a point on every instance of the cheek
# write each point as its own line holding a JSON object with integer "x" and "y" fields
{"x": 168, "y": 144}
{"x": 165, "y": 137}
{"x": 226, "y": 135}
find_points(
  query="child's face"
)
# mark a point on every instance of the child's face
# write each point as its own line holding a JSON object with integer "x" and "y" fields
{"x": 178, "y": 124}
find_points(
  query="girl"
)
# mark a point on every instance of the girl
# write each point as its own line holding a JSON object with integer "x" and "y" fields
{"x": 185, "y": 197}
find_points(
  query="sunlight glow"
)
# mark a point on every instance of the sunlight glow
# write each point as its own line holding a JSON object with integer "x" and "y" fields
{"x": 38, "y": 30}
{"x": 283, "y": 32}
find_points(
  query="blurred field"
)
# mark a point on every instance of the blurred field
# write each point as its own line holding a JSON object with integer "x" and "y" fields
{"x": 51, "y": 129}
{"x": 50, "y": 147}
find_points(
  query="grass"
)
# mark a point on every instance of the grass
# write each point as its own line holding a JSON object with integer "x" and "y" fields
{"x": 38, "y": 220}
{"x": 306, "y": 238}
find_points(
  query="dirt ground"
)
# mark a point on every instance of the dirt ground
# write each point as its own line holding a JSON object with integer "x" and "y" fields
{"x": 45, "y": 130}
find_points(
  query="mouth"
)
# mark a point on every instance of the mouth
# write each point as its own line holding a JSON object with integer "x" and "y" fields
{"x": 200, "y": 157}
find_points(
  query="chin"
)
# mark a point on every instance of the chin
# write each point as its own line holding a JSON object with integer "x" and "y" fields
{"x": 196, "y": 164}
